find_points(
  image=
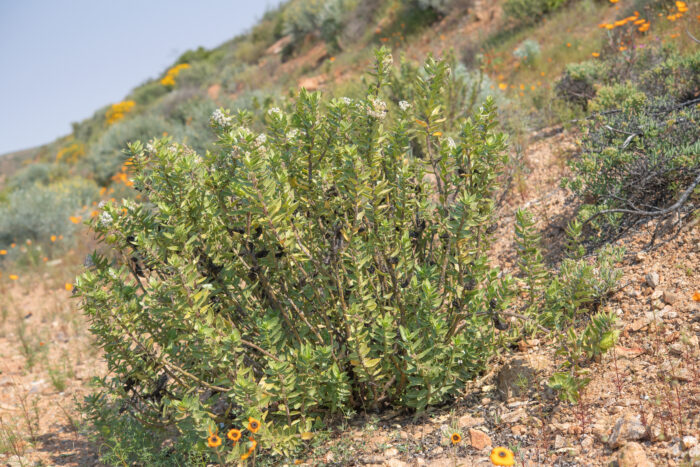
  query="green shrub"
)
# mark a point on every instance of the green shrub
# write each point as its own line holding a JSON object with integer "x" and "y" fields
{"x": 300, "y": 274}
{"x": 37, "y": 212}
{"x": 107, "y": 155}
{"x": 321, "y": 17}
{"x": 37, "y": 173}
{"x": 527, "y": 52}
{"x": 148, "y": 93}
{"x": 640, "y": 152}
{"x": 529, "y": 11}
{"x": 577, "y": 85}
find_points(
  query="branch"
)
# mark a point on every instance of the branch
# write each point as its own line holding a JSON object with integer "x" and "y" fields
{"x": 674, "y": 207}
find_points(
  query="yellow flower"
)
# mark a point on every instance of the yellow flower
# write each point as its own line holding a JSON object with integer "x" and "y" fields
{"x": 253, "y": 425}
{"x": 696, "y": 297}
{"x": 3, "y": 252}
{"x": 75, "y": 219}
{"x": 596, "y": 54}
{"x": 246, "y": 455}
{"x": 234, "y": 434}
{"x": 502, "y": 456}
{"x": 455, "y": 438}
{"x": 69, "y": 286}
{"x": 213, "y": 441}
{"x": 13, "y": 277}
{"x": 53, "y": 238}
{"x": 502, "y": 86}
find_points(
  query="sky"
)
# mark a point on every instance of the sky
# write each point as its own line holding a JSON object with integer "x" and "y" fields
{"x": 62, "y": 60}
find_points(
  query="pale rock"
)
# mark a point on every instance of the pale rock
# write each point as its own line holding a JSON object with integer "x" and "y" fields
{"x": 467, "y": 421}
{"x": 632, "y": 455}
{"x": 694, "y": 452}
{"x": 514, "y": 416}
{"x": 689, "y": 442}
{"x": 587, "y": 443}
{"x": 395, "y": 463}
{"x": 559, "y": 442}
{"x": 391, "y": 452}
{"x": 518, "y": 430}
{"x": 657, "y": 294}
{"x": 479, "y": 439}
{"x": 627, "y": 428}
{"x": 676, "y": 349}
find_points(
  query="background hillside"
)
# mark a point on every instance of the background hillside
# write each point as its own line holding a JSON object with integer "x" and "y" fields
{"x": 549, "y": 65}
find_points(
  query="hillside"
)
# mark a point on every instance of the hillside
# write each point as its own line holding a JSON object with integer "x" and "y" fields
{"x": 569, "y": 133}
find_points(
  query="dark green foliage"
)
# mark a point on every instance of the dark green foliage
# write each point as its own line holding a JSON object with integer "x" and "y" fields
{"x": 530, "y": 262}
{"x": 529, "y": 11}
{"x": 303, "y": 273}
{"x": 641, "y": 151}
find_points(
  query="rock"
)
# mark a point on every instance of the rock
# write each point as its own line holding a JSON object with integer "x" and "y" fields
{"x": 278, "y": 46}
{"x": 652, "y": 279}
{"x": 670, "y": 298}
{"x": 656, "y": 294}
{"x": 638, "y": 325}
{"x": 518, "y": 375}
{"x": 514, "y": 416}
{"x": 676, "y": 349}
{"x": 395, "y": 463}
{"x": 694, "y": 452}
{"x": 479, "y": 439}
{"x": 467, "y": 421}
{"x": 518, "y": 430}
{"x": 559, "y": 442}
{"x": 689, "y": 442}
{"x": 627, "y": 428}
{"x": 329, "y": 458}
{"x": 391, "y": 452}
{"x": 632, "y": 455}
{"x": 587, "y": 443}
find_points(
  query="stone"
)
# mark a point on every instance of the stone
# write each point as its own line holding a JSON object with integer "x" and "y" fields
{"x": 652, "y": 279}
{"x": 518, "y": 375}
{"x": 514, "y": 416}
{"x": 391, "y": 452}
{"x": 587, "y": 443}
{"x": 395, "y": 463}
{"x": 657, "y": 294}
{"x": 670, "y": 298}
{"x": 467, "y": 421}
{"x": 627, "y": 428}
{"x": 518, "y": 430}
{"x": 689, "y": 442}
{"x": 559, "y": 442}
{"x": 638, "y": 325}
{"x": 632, "y": 455}
{"x": 694, "y": 452}
{"x": 479, "y": 440}
{"x": 676, "y": 349}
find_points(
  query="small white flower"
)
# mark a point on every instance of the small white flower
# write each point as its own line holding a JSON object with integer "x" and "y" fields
{"x": 403, "y": 105}
{"x": 220, "y": 118}
{"x": 150, "y": 148}
{"x": 347, "y": 100}
{"x": 291, "y": 134}
{"x": 105, "y": 219}
{"x": 260, "y": 140}
{"x": 377, "y": 108}
{"x": 274, "y": 111}
{"x": 388, "y": 60}
{"x": 451, "y": 143}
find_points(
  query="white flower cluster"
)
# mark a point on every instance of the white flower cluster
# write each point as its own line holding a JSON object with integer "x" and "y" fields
{"x": 105, "y": 219}
{"x": 291, "y": 134}
{"x": 274, "y": 111}
{"x": 403, "y": 105}
{"x": 451, "y": 143}
{"x": 221, "y": 119}
{"x": 261, "y": 139}
{"x": 347, "y": 100}
{"x": 377, "y": 109}
{"x": 388, "y": 60}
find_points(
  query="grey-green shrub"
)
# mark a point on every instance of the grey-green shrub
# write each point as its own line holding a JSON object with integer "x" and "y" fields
{"x": 302, "y": 273}
{"x": 529, "y": 11}
{"x": 528, "y": 51}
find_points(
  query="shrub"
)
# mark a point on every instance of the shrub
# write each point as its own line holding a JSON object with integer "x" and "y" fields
{"x": 529, "y": 11}
{"x": 577, "y": 85}
{"x": 107, "y": 155}
{"x": 37, "y": 173}
{"x": 302, "y": 273}
{"x": 640, "y": 157}
{"x": 527, "y": 52}
{"x": 321, "y": 17}
{"x": 148, "y": 93}
{"x": 36, "y": 212}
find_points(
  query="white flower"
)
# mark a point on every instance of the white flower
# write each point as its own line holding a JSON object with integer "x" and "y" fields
{"x": 260, "y": 140}
{"x": 291, "y": 134}
{"x": 347, "y": 100}
{"x": 220, "y": 118}
{"x": 388, "y": 60}
{"x": 274, "y": 111}
{"x": 105, "y": 219}
{"x": 150, "y": 148}
{"x": 377, "y": 109}
{"x": 451, "y": 143}
{"x": 403, "y": 105}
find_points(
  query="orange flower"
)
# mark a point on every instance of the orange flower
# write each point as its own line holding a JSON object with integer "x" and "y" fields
{"x": 502, "y": 86}
{"x": 696, "y": 297}
{"x": 596, "y": 54}
{"x": 75, "y": 219}
{"x": 253, "y": 425}
{"x": 13, "y": 277}
{"x": 53, "y": 238}
{"x": 213, "y": 440}
{"x": 234, "y": 434}
{"x": 3, "y": 252}
{"x": 502, "y": 456}
{"x": 640, "y": 21}
{"x": 253, "y": 444}
{"x": 622, "y": 48}
{"x": 12, "y": 245}
{"x": 609, "y": 26}
{"x": 69, "y": 286}
{"x": 455, "y": 438}
{"x": 614, "y": 1}
{"x": 246, "y": 455}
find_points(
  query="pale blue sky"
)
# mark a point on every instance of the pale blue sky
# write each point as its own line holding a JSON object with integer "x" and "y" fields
{"x": 62, "y": 60}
